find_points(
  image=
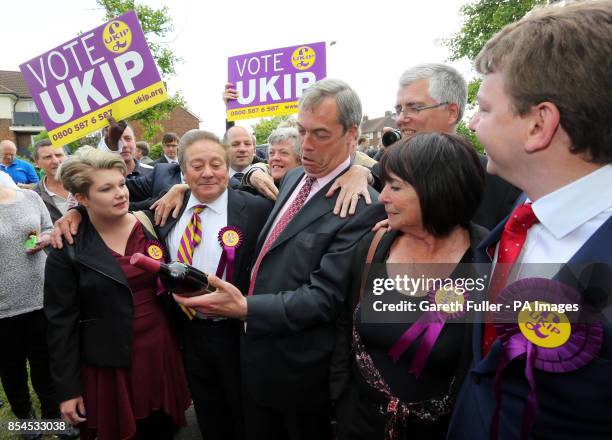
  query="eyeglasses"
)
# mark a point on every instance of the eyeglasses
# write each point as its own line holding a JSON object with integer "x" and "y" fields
{"x": 171, "y": 145}
{"x": 415, "y": 109}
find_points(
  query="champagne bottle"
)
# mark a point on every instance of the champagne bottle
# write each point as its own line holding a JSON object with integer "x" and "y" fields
{"x": 179, "y": 278}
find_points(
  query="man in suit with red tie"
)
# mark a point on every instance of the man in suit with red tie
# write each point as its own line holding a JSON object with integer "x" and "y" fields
{"x": 298, "y": 282}
{"x": 544, "y": 119}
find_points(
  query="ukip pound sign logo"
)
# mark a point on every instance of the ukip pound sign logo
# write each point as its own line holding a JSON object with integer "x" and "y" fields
{"x": 117, "y": 36}
{"x": 303, "y": 57}
{"x": 547, "y": 329}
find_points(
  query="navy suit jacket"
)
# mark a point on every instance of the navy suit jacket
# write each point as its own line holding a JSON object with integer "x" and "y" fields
{"x": 573, "y": 405}
{"x": 160, "y": 160}
{"x": 145, "y": 190}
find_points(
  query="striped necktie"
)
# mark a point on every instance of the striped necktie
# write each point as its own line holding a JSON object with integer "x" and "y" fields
{"x": 192, "y": 236}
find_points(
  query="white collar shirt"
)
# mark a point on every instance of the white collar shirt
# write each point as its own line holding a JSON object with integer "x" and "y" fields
{"x": 171, "y": 160}
{"x": 60, "y": 203}
{"x": 214, "y": 217}
{"x": 319, "y": 183}
{"x": 568, "y": 217}
{"x": 233, "y": 171}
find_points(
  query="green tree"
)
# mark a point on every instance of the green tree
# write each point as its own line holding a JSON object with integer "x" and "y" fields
{"x": 156, "y": 24}
{"x": 91, "y": 139}
{"x": 481, "y": 19}
{"x": 265, "y": 126}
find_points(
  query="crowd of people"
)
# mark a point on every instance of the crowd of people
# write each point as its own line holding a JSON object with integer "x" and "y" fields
{"x": 285, "y": 346}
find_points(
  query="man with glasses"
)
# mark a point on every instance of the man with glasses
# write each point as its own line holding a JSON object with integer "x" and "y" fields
{"x": 432, "y": 97}
{"x": 170, "y": 143}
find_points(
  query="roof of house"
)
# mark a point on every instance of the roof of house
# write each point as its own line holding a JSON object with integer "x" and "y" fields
{"x": 13, "y": 83}
{"x": 191, "y": 113}
{"x": 377, "y": 124}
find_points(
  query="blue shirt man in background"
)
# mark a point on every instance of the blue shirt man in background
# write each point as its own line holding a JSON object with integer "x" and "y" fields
{"x": 20, "y": 171}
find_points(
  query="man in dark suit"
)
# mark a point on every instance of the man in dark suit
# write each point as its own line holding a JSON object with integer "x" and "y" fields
{"x": 298, "y": 282}
{"x": 145, "y": 190}
{"x": 170, "y": 145}
{"x": 211, "y": 344}
{"x": 241, "y": 150}
{"x": 532, "y": 123}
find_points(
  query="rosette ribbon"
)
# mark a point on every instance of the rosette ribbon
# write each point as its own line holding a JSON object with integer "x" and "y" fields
{"x": 157, "y": 251}
{"x": 230, "y": 238}
{"x": 581, "y": 346}
{"x": 430, "y": 325}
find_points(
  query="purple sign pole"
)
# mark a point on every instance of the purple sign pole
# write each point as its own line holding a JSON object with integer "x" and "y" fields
{"x": 108, "y": 71}
{"x": 271, "y": 82}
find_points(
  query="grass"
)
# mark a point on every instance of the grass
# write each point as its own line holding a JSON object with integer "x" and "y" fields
{"x": 7, "y": 415}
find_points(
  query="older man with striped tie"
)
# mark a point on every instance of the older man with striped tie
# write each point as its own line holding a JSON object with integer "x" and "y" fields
{"x": 215, "y": 232}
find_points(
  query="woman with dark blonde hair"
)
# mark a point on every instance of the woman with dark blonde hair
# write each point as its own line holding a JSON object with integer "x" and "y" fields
{"x": 115, "y": 362}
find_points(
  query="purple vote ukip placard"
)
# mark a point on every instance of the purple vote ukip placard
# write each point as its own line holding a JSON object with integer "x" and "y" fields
{"x": 108, "y": 71}
{"x": 271, "y": 82}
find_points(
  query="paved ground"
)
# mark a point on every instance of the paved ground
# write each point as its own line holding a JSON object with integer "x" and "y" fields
{"x": 191, "y": 431}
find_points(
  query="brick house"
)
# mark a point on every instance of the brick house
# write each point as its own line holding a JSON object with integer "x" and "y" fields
{"x": 19, "y": 118}
{"x": 180, "y": 121}
{"x": 372, "y": 128}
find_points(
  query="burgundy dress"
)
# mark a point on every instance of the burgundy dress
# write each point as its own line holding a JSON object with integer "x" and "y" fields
{"x": 116, "y": 397}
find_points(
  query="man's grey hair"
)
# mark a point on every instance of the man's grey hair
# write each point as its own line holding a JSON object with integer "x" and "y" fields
{"x": 190, "y": 138}
{"x": 349, "y": 104}
{"x": 283, "y": 134}
{"x": 446, "y": 84}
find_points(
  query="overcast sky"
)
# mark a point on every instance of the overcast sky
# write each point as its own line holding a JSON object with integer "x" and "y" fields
{"x": 375, "y": 40}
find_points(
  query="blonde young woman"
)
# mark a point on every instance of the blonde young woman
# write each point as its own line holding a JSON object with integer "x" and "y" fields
{"x": 114, "y": 359}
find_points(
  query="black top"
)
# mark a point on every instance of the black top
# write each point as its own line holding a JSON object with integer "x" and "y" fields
{"x": 362, "y": 409}
{"x": 378, "y": 338}
{"x": 445, "y": 358}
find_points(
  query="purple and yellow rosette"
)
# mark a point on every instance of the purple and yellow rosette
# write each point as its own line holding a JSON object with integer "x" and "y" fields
{"x": 156, "y": 250}
{"x": 449, "y": 304}
{"x": 230, "y": 238}
{"x": 549, "y": 340}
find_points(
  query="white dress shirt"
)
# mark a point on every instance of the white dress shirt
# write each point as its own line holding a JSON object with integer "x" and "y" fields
{"x": 233, "y": 171}
{"x": 171, "y": 160}
{"x": 568, "y": 217}
{"x": 319, "y": 183}
{"x": 214, "y": 217}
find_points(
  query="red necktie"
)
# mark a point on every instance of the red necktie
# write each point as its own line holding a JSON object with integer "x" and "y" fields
{"x": 508, "y": 251}
{"x": 293, "y": 209}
